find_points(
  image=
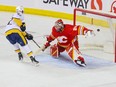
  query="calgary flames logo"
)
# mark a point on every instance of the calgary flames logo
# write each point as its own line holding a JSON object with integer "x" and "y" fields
{"x": 113, "y": 7}
{"x": 96, "y": 4}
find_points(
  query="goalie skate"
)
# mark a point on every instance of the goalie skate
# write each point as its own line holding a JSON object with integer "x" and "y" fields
{"x": 80, "y": 63}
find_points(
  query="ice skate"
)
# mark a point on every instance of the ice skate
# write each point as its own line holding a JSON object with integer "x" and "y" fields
{"x": 20, "y": 56}
{"x": 34, "y": 60}
{"x": 80, "y": 61}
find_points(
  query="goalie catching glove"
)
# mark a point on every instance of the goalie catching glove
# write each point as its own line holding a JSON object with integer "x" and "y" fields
{"x": 88, "y": 32}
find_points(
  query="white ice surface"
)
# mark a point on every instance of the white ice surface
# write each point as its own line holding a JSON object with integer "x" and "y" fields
{"x": 61, "y": 72}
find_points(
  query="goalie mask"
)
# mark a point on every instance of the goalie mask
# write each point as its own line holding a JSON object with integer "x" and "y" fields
{"x": 59, "y": 25}
{"x": 20, "y": 10}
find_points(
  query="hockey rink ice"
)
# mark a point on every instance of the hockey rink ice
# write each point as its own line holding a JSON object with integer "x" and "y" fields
{"x": 51, "y": 72}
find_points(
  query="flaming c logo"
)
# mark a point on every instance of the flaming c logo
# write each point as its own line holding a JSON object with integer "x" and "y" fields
{"x": 113, "y": 7}
{"x": 96, "y": 4}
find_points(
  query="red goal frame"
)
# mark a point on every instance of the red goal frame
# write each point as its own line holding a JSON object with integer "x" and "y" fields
{"x": 100, "y": 13}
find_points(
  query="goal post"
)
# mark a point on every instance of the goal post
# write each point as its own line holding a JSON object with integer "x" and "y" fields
{"x": 108, "y": 16}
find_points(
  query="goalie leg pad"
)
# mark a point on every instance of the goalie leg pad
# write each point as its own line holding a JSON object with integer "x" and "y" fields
{"x": 54, "y": 51}
{"x": 75, "y": 55}
{"x": 70, "y": 51}
{"x": 76, "y": 44}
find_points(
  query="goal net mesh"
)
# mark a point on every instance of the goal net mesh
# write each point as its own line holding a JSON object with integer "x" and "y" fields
{"x": 102, "y": 45}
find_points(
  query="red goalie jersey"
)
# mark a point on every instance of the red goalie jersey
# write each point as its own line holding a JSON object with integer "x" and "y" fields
{"x": 67, "y": 34}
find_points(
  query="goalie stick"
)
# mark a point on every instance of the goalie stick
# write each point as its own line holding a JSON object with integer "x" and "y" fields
{"x": 39, "y": 50}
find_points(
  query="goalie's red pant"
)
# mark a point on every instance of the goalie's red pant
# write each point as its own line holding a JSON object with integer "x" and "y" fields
{"x": 72, "y": 51}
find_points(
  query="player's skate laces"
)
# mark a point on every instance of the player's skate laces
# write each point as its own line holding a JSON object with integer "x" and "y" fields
{"x": 34, "y": 60}
{"x": 20, "y": 56}
{"x": 80, "y": 61}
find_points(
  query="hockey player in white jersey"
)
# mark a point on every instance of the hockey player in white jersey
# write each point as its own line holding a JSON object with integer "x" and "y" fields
{"x": 16, "y": 34}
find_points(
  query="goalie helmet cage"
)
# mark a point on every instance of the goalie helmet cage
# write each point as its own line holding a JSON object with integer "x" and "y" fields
{"x": 98, "y": 13}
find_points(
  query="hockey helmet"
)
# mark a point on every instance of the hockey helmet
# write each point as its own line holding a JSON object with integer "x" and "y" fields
{"x": 19, "y": 10}
{"x": 59, "y": 25}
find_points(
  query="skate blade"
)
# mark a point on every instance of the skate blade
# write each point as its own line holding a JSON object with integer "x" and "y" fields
{"x": 29, "y": 62}
{"x": 80, "y": 64}
{"x": 21, "y": 59}
{"x": 35, "y": 64}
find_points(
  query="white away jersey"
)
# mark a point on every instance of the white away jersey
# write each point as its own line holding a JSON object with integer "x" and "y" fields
{"x": 12, "y": 24}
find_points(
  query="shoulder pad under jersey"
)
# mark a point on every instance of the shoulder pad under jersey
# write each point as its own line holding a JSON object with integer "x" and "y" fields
{"x": 18, "y": 16}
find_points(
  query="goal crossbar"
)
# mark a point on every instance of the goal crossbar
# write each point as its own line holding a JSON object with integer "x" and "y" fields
{"x": 101, "y": 13}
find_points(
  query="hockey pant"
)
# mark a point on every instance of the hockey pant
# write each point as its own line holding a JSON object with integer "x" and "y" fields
{"x": 17, "y": 38}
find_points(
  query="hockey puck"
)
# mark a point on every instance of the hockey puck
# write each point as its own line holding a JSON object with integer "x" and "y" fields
{"x": 98, "y": 30}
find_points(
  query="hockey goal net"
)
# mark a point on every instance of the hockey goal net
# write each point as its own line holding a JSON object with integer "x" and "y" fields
{"x": 103, "y": 44}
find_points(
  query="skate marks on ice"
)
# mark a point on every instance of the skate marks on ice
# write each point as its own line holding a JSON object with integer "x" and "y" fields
{"x": 63, "y": 61}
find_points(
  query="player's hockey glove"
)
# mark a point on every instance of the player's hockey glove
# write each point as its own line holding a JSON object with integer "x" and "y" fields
{"x": 29, "y": 36}
{"x": 23, "y": 27}
{"x": 46, "y": 46}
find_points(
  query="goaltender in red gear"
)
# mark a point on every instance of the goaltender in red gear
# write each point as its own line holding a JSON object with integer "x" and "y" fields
{"x": 67, "y": 40}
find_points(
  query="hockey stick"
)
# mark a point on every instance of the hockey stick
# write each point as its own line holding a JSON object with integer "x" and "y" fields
{"x": 36, "y": 43}
{"x": 38, "y": 51}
